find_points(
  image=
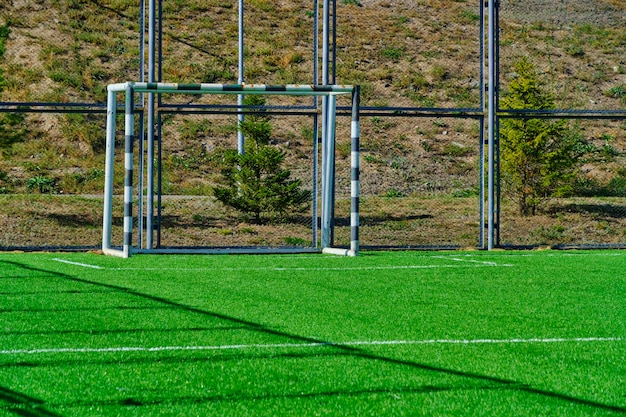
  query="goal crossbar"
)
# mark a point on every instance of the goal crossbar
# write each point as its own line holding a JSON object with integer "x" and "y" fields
{"x": 130, "y": 88}
{"x": 207, "y": 88}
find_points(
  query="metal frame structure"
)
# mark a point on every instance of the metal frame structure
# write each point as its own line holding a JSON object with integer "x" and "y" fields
{"x": 498, "y": 113}
{"x": 150, "y": 111}
{"x": 153, "y": 130}
{"x": 328, "y": 162}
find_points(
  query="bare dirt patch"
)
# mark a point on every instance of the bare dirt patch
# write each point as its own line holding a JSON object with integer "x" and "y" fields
{"x": 565, "y": 13}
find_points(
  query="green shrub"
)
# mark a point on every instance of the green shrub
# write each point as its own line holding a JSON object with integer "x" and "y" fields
{"x": 617, "y": 185}
{"x": 548, "y": 234}
{"x": 255, "y": 183}
{"x": 539, "y": 157}
{"x": 12, "y": 129}
{"x": 393, "y": 193}
{"x": 456, "y": 150}
{"x": 469, "y": 16}
{"x": 4, "y": 35}
{"x": 296, "y": 241}
{"x": 618, "y": 91}
{"x": 4, "y": 183}
{"x": 393, "y": 53}
{"x": 42, "y": 184}
{"x": 85, "y": 128}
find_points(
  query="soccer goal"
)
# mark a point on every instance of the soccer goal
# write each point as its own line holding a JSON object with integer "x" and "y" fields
{"x": 328, "y": 158}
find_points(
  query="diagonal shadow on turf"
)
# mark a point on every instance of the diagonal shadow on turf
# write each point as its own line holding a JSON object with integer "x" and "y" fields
{"x": 172, "y": 359}
{"x": 500, "y": 383}
{"x": 80, "y": 309}
{"x": 23, "y": 405}
{"x": 121, "y": 331}
{"x": 43, "y": 292}
{"x": 253, "y": 398}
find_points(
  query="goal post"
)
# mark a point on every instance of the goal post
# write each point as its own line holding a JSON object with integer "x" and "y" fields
{"x": 328, "y": 162}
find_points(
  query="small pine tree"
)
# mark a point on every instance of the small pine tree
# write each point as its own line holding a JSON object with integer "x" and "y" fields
{"x": 4, "y": 35}
{"x": 255, "y": 183}
{"x": 538, "y": 156}
{"x": 11, "y": 129}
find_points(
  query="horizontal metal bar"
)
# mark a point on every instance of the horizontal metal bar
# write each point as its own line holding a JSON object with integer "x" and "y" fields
{"x": 234, "y": 112}
{"x": 288, "y": 89}
{"x": 52, "y": 110}
{"x": 419, "y": 109}
{"x": 50, "y": 104}
{"x": 371, "y": 111}
{"x": 232, "y": 106}
{"x": 529, "y": 114}
{"x": 562, "y": 111}
{"x": 413, "y": 114}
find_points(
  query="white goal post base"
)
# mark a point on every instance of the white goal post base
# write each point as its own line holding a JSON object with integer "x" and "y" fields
{"x": 130, "y": 88}
{"x": 339, "y": 252}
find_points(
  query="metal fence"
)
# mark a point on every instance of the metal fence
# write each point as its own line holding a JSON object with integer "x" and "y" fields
{"x": 424, "y": 144}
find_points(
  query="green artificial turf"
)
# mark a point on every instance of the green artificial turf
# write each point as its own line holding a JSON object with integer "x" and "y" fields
{"x": 382, "y": 334}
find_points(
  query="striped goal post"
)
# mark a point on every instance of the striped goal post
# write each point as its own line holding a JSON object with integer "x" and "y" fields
{"x": 130, "y": 88}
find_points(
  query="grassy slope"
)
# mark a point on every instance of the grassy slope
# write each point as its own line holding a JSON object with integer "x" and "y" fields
{"x": 409, "y": 53}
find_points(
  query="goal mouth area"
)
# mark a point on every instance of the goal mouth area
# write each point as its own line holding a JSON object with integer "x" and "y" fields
{"x": 328, "y": 156}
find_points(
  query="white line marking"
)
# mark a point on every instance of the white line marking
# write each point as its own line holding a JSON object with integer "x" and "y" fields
{"x": 308, "y": 345}
{"x": 265, "y": 268}
{"x": 78, "y": 264}
{"x": 358, "y": 268}
{"x": 486, "y": 341}
{"x": 486, "y": 263}
{"x": 563, "y": 253}
{"x": 347, "y": 268}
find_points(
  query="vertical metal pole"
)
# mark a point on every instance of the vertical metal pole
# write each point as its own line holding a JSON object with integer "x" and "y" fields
{"x": 140, "y": 172}
{"x": 142, "y": 123}
{"x": 496, "y": 94}
{"x": 483, "y": 61}
{"x": 128, "y": 175}
{"x": 160, "y": 45}
{"x": 327, "y": 235}
{"x": 481, "y": 185}
{"x": 355, "y": 171}
{"x": 107, "y": 221}
{"x": 150, "y": 124}
{"x": 325, "y": 42}
{"x": 142, "y": 40}
{"x": 159, "y": 180}
{"x": 324, "y": 215}
{"x": 316, "y": 46}
{"x": 315, "y": 175}
{"x": 498, "y": 184}
{"x": 333, "y": 63}
{"x": 240, "y": 80}
{"x": 141, "y": 130}
{"x": 481, "y": 180}
{"x": 334, "y": 48}
{"x": 316, "y": 138}
{"x": 491, "y": 124}
{"x": 328, "y": 162}
{"x": 159, "y": 78}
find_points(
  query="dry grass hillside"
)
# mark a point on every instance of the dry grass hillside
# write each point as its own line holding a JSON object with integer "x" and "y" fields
{"x": 404, "y": 53}
{"x": 418, "y": 53}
